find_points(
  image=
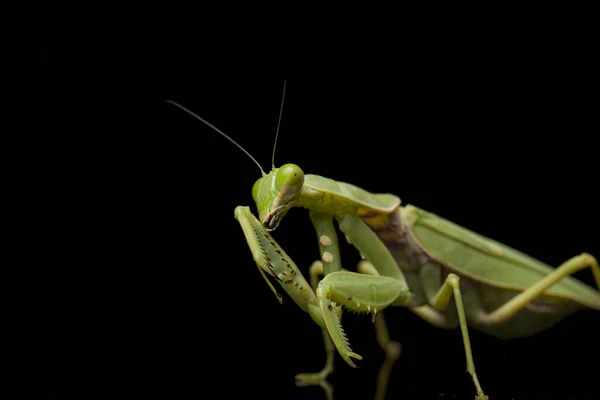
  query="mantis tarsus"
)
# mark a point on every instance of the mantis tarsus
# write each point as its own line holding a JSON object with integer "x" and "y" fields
{"x": 447, "y": 275}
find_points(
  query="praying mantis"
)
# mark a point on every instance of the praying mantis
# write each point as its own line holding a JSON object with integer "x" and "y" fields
{"x": 447, "y": 275}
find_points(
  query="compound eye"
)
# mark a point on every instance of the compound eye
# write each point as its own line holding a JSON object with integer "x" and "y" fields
{"x": 289, "y": 178}
{"x": 255, "y": 189}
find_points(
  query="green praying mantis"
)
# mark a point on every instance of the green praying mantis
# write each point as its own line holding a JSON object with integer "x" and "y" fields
{"x": 444, "y": 273}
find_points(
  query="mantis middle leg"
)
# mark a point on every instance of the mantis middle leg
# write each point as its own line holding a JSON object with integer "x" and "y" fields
{"x": 375, "y": 251}
{"x": 439, "y": 301}
{"x": 392, "y": 348}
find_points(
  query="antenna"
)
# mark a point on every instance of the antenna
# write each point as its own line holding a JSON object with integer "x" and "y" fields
{"x": 216, "y": 129}
{"x": 278, "y": 123}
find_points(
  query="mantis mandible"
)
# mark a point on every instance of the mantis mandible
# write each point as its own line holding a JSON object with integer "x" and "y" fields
{"x": 447, "y": 275}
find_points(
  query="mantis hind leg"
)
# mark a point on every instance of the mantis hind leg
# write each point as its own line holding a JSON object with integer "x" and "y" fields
{"x": 521, "y": 300}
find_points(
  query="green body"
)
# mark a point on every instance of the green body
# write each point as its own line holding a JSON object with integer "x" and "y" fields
{"x": 410, "y": 258}
{"x": 493, "y": 272}
{"x": 415, "y": 259}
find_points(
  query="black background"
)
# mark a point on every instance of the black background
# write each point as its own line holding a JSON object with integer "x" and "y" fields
{"x": 146, "y": 285}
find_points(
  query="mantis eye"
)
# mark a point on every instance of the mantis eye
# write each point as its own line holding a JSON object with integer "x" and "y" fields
{"x": 255, "y": 189}
{"x": 289, "y": 179}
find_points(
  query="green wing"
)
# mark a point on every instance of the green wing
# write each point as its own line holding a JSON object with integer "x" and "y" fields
{"x": 351, "y": 194}
{"x": 489, "y": 261}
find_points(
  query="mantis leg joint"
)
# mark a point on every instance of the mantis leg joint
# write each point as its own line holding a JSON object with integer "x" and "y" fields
{"x": 453, "y": 279}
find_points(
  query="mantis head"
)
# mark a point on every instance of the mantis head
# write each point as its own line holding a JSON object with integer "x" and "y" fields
{"x": 275, "y": 193}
